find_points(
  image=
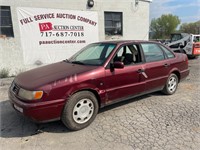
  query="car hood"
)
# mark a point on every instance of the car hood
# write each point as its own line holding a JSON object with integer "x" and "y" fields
{"x": 38, "y": 77}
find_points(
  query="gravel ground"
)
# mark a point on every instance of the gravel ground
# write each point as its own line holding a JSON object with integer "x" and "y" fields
{"x": 150, "y": 122}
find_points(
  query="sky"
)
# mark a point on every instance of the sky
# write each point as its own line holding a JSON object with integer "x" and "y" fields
{"x": 187, "y": 10}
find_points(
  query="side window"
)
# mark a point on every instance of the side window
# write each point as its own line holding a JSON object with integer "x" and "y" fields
{"x": 128, "y": 54}
{"x": 167, "y": 52}
{"x": 123, "y": 50}
{"x": 152, "y": 52}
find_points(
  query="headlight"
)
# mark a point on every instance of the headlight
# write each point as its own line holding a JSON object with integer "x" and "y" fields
{"x": 30, "y": 95}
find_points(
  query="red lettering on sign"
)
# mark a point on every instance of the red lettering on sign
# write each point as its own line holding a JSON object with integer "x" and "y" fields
{"x": 45, "y": 26}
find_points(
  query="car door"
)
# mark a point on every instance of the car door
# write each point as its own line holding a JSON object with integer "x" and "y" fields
{"x": 125, "y": 82}
{"x": 157, "y": 66}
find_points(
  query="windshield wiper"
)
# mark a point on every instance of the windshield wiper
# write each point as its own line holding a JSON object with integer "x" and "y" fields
{"x": 78, "y": 62}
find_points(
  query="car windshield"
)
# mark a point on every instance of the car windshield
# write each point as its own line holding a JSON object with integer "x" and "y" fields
{"x": 93, "y": 54}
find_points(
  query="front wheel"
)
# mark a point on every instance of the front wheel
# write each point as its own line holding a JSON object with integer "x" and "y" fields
{"x": 80, "y": 110}
{"x": 171, "y": 84}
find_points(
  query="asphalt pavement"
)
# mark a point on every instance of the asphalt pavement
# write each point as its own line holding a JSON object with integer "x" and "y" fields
{"x": 151, "y": 122}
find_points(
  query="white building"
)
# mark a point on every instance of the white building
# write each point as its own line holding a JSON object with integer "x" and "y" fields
{"x": 36, "y": 32}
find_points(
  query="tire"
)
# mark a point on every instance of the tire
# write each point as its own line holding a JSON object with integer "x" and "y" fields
{"x": 80, "y": 110}
{"x": 192, "y": 57}
{"x": 171, "y": 85}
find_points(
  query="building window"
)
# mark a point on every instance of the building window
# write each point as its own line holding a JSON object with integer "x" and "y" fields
{"x": 6, "y": 27}
{"x": 113, "y": 23}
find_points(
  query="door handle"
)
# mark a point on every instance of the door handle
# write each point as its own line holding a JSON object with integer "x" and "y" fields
{"x": 140, "y": 70}
{"x": 166, "y": 65}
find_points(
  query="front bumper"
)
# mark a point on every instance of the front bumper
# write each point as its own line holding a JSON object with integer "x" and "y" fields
{"x": 38, "y": 111}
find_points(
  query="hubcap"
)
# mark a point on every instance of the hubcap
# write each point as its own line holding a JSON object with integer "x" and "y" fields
{"x": 83, "y": 111}
{"x": 172, "y": 84}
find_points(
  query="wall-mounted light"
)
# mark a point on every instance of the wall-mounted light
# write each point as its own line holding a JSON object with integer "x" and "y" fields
{"x": 90, "y": 3}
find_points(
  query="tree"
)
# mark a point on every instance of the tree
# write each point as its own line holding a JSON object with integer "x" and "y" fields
{"x": 165, "y": 25}
{"x": 193, "y": 28}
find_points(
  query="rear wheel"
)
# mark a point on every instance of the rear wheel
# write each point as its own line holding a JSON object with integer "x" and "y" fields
{"x": 171, "y": 84}
{"x": 80, "y": 110}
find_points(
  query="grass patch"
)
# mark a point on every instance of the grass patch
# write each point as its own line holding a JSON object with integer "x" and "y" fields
{"x": 4, "y": 73}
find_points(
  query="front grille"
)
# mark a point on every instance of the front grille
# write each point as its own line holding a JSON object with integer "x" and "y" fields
{"x": 15, "y": 88}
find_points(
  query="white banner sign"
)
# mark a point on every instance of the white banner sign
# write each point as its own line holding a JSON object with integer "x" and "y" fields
{"x": 50, "y": 35}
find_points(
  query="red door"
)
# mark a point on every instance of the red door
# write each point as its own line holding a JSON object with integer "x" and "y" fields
{"x": 157, "y": 66}
{"x": 157, "y": 74}
{"x": 124, "y": 83}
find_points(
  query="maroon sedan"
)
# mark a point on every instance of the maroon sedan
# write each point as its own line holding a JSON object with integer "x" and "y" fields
{"x": 100, "y": 74}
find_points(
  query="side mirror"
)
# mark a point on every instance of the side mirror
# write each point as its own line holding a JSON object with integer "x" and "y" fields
{"x": 118, "y": 64}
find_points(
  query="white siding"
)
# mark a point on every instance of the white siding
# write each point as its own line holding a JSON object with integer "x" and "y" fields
{"x": 135, "y": 24}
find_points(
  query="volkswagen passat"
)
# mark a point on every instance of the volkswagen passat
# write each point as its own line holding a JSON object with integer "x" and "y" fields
{"x": 100, "y": 74}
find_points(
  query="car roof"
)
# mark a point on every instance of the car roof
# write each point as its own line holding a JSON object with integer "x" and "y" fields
{"x": 119, "y": 42}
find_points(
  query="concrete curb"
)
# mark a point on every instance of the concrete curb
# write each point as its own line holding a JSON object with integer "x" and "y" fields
{"x": 6, "y": 81}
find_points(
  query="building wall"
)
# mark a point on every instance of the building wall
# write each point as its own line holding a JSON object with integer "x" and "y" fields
{"x": 135, "y": 24}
